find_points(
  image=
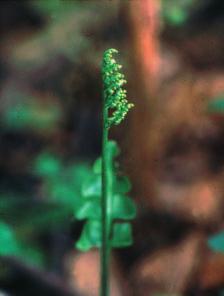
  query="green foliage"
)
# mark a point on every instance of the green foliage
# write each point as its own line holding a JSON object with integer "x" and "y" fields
{"x": 216, "y": 242}
{"x": 62, "y": 183}
{"x": 216, "y": 105}
{"x": 11, "y": 245}
{"x": 8, "y": 245}
{"x": 114, "y": 93}
{"x": 47, "y": 165}
{"x": 31, "y": 115}
{"x": 55, "y": 8}
{"x": 61, "y": 196}
{"x": 121, "y": 207}
{"x": 175, "y": 12}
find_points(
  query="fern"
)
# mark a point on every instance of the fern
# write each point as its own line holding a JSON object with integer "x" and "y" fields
{"x": 104, "y": 204}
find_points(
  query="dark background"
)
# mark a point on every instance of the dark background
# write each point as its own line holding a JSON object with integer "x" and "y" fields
{"x": 172, "y": 143}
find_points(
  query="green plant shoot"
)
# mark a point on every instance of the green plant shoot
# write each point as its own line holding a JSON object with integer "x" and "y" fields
{"x": 105, "y": 205}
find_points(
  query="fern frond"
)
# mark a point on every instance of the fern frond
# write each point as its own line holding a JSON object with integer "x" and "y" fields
{"x": 105, "y": 206}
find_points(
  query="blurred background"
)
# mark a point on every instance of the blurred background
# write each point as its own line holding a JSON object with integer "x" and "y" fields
{"x": 172, "y": 143}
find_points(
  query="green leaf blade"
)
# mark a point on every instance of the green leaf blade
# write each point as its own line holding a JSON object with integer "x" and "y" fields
{"x": 122, "y": 185}
{"x": 91, "y": 236}
{"x": 122, "y": 235}
{"x": 123, "y": 208}
{"x": 89, "y": 210}
{"x": 92, "y": 187}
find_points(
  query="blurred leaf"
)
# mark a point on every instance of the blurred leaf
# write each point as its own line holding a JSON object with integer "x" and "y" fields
{"x": 32, "y": 255}
{"x": 216, "y": 242}
{"x": 49, "y": 217}
{"x": 10, "y": 245}
{"x": 47, "y": 165}
{"x": 63, "y": 193}
{"x": 63, "y": 183}
{"x": 55, "y": 8}
{"x": 176, "y": 16}
{"x": 216, "y": 105}
{"x": 31, "y": 116}
{"x": 77, "y": 173}
{"x": 8, "y": 241}
{"x": 176, "y": 12}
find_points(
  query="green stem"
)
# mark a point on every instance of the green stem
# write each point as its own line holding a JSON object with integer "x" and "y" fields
{"x": 105, "y": 249}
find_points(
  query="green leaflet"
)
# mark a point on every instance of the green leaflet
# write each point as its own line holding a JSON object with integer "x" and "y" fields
{"x": 89, "y": 209}
{"x": 122, "y": 207}
{"x": 122, "y": 235}
{"x": 91, "y": 235}
{"x": 122, "y": 185}
{"x": 92, "y": 187}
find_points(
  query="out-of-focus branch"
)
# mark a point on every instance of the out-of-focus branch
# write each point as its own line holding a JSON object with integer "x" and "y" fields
{"x": 144, "y": 25}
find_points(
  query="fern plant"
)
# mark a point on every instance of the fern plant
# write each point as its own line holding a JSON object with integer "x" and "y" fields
{"x": 104, "y": 204}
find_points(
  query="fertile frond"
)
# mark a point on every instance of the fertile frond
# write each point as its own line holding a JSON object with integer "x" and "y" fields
{"x": 114, "y": 93}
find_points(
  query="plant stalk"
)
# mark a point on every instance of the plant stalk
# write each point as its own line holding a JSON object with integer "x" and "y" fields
{"x": 105, "y": 248}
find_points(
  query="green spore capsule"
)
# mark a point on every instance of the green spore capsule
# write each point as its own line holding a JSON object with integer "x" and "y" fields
{"x": 115, "y": 95}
